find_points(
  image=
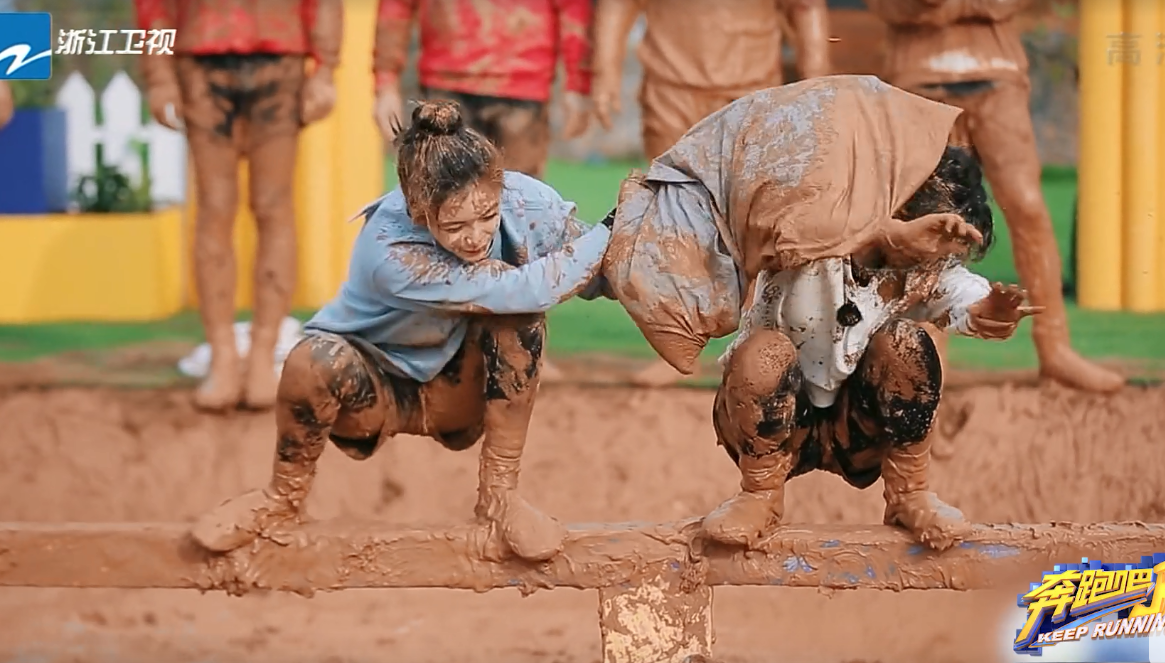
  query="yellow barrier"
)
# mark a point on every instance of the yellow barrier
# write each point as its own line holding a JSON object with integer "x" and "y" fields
{"x": 340, "y": 169}
{"x": 1121, "y": 234}
{"x": 100, "y": 267}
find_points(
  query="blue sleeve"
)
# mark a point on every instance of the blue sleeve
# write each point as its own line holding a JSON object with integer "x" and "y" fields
{"x": 423, "y": 276}
{"x": 555, "y": 224}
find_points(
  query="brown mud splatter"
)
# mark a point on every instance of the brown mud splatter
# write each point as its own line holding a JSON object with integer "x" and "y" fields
{"x": 1009, "y": 453}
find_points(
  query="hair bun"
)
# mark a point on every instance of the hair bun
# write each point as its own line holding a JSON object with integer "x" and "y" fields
{"x": 438, "y": 118}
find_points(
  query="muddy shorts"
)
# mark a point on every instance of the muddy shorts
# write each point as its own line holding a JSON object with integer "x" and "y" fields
{"x": 879, "y": 406}
{"x": 247, "y": 98}
{"x": 519, "y": 127}
{"x": 375, "y": 377}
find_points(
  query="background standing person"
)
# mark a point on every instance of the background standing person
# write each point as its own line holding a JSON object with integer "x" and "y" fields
{"x": 969, "y": 55}
{"x": 498, "y": 61}
{"x": 239, "y": 85}
{"x": 698, "y": 57}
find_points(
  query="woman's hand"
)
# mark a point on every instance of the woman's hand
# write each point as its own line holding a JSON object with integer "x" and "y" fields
{"x": 997, "y": 315}
{"x": 318, "y": 96}
{"x": 929, "y": 238}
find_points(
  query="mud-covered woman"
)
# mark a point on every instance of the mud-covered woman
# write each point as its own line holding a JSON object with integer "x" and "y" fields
{"x": 438, "y": 331}
{"x": 841, "y": 198}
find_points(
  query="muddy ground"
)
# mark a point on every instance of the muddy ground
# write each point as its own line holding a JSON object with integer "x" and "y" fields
{"x": 1007, "y": 453}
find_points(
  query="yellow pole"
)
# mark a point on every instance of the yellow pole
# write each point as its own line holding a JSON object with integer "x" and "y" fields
{"x": 1099, "y": 170}
{"x": 1141, "y": 155}
{"x": 358, "y": 149}
{"x": 1158, "y": 59}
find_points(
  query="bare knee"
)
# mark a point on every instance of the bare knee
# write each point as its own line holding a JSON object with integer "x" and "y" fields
{"x": 761, "y": 365}
{"x": 324, "y": 367}
{"x": 760, "y": 385}
{"x": 272, "y": 207}
{"x": 513, "y": 348}
{"x": 900, "y": 381}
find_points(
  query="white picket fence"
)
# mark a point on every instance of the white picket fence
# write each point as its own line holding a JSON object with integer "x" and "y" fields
{"x": 120, "y": 133}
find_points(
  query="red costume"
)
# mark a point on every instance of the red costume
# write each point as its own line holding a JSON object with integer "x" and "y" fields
{"x": 207, "y": 27}
{"x": 497, "y": 49}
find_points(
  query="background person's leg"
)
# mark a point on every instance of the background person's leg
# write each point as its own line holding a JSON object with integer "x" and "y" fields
{"x": 272, "y": 146}
{"x": 1000, "y": 125}
{"x": 210, "y": 90}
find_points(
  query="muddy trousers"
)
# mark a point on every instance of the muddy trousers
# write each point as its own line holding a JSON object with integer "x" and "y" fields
{"x": 877, "y": 427}
{"x": 344, "y": 389}
{"x": 235, "y": 107}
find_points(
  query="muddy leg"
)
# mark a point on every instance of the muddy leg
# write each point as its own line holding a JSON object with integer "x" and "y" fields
{"x": 754, "y": 417}
{"x": 322, "y": 378}
{"x": 893, "y": 399}
{"x": 513, "y": 354}
{"x": 274, "y": 137}
{"x": 1001, "y": 128}
{"x": 211, "y": 133}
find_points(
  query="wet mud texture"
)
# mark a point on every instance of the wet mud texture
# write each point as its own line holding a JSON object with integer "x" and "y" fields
{"x": 1010, "y": 454}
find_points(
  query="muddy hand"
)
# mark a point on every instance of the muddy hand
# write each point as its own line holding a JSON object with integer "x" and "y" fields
{"x": 240, "y": 520}
{"x": 931, "y": 237}
{"x": 997, "y": 315}
{"x": 387, "y": 111}
{"x": 578, "y": 115}
{"x": 318, "y": 96}
{"x": 165, "y": 102}
{"x": 605, "y": 95}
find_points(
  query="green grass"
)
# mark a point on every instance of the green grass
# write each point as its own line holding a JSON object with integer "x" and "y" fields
{"x": 579, "y": 327}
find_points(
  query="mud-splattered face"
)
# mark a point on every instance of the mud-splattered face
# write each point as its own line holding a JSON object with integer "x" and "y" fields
{"x": 466, "y": 223}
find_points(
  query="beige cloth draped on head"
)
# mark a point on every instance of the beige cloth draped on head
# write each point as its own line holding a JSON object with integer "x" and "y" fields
{"x": 773, "y": 181}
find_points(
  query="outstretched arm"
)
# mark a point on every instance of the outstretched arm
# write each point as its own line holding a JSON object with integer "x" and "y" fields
{"x": 428, "y": 277}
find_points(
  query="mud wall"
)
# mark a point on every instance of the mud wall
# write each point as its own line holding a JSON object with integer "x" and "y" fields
{"x": 1006, "y": 454}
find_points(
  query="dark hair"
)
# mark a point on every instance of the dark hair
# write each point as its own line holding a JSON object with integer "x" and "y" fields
{"x": 955, "y": 186}
{"x": 439, "y": 156}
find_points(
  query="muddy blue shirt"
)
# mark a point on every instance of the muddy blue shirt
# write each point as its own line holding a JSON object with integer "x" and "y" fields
{"x": 412, "y": 299}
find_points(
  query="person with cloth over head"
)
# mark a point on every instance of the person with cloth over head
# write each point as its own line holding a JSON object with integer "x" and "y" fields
{"x": 841, "y": 197}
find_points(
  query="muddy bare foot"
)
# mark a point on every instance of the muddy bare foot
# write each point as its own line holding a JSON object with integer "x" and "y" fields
{"x": 221, "y": 390}
{"x": 525, "y": 531}
{"x": 1070, "y": 369}
{"x": 261, "y": 385}
{"x": 659, "y": 374}
{"x": 933, "y": 522}
{"x": 744, "y": 519}
{"x": 240, "y": 520}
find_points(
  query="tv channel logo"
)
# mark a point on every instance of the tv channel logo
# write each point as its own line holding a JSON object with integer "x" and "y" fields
{"x": 26, "y": 46}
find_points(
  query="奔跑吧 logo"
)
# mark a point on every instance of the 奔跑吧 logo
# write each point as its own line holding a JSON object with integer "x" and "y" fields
{"x": 1095, "y": 601}
{"x": 26, "y": 46}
